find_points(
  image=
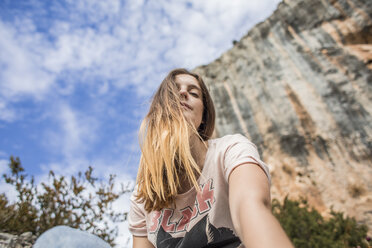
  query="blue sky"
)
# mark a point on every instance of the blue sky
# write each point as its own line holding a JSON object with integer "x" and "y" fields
{"x": 77, "y": 76}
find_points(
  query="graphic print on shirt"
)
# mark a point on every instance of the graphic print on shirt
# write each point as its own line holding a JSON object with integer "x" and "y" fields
{"x": 202, "y": 234}
{"x": 203, "y": 203}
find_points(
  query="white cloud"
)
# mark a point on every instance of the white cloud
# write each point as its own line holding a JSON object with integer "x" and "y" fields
{"x": 124, "y": 238}
{"x": 3, "y": 166}
{"x": 6, "y": 113}
{"x": 90, "y": 8}
{"x": 21, "y": 68}
{"x": 73, "y": 134}
{"x": 127, "y": 36}
{"x": 79, "y": 49}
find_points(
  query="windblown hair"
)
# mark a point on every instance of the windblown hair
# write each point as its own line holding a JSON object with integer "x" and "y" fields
{"x": 166, "y": 159}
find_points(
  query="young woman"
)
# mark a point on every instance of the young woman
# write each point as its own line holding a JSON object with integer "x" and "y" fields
{"x": 193, "y": 191}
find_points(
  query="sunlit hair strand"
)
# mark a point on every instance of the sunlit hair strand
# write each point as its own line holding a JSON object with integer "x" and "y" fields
{"x": 166, "y": 158}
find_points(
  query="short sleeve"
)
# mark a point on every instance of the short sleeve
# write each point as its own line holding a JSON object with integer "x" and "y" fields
{"x": 240, "y": 151}
{"x": 137, "y": 217}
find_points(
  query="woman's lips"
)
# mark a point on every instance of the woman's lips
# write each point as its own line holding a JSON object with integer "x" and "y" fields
{"x": 186, "y": 105}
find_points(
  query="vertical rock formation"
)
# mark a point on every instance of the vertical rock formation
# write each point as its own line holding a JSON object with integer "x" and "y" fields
{"x": 299, "y": 85}
{"x": 25, "y": 240}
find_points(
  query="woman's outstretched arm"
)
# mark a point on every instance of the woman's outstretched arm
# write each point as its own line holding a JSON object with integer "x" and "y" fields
{"x": 141, "y": 242}
{"x": 250, "y": 207}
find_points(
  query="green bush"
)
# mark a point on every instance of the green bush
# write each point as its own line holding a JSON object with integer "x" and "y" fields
{"x": 307, "y": 228}
{"x": 80, "y": 202}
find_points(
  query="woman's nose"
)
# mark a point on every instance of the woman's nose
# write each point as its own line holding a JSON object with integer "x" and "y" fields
{"x": 183, "y": 93}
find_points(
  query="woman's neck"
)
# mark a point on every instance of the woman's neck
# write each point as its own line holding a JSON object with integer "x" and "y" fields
{"x": 198, "y": 150}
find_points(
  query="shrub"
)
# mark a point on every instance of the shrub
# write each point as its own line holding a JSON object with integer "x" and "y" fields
{"x": 80, "y": 201}
{"x": 307, "y": 228}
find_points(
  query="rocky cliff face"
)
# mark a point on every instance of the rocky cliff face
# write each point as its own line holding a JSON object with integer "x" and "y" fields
{"x": 299, "y": 85}
{"x": 25, "y": 240}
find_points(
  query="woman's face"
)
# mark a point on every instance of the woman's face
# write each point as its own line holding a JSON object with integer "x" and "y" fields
{"x": 191, "y": 98}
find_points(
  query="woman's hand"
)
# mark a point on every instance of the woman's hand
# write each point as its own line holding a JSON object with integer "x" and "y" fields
{"x": 250, "y": 207}
{"x": 141, "y": 242}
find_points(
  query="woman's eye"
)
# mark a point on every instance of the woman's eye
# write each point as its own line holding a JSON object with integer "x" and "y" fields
{"x": 194, "y": 94}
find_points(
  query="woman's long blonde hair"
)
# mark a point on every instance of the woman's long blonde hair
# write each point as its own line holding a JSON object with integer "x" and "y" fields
{"x": 165, "y": 144}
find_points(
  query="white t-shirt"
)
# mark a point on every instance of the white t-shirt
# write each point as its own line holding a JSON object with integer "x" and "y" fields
{"x": 200, "y": 219}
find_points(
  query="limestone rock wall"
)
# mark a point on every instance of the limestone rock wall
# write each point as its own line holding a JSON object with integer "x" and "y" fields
{"x": 25, "y": 240}
{"x": 299, "y": 85}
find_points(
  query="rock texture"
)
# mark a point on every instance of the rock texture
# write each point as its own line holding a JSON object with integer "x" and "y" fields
{"x": 299, "y": 85}
{"x": 25, "y": 240}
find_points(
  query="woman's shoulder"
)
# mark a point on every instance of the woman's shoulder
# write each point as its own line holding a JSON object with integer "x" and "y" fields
{"x": 231, "y": 139}
{"x": 225, "y": 143}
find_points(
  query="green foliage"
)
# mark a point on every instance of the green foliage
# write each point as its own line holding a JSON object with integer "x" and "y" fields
{"x": 80, "y": 202}
{"x": 307, "y": 228}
